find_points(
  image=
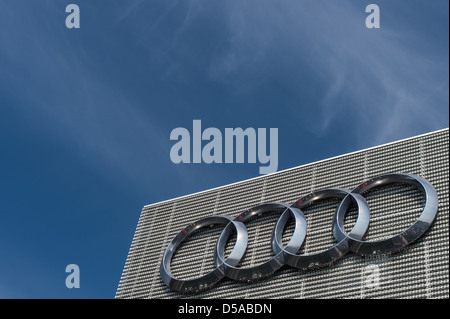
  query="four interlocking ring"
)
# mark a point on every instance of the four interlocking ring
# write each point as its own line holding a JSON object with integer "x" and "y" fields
{"x": 288, "y": 255}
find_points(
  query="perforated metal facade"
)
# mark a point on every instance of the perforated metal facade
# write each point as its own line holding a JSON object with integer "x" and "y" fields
{"x": 421, "y": 270}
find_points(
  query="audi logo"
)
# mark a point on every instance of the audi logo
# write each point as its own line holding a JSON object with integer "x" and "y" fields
{"x": 288, "y": 255}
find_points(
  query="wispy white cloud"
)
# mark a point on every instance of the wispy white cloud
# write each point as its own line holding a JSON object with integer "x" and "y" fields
{"x": 372, "y": 75}
{"x": 375, "y": 76}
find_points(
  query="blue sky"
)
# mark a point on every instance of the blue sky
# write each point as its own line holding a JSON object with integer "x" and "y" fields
{"x": 86, "y": 114}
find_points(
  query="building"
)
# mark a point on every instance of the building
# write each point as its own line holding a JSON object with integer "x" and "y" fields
{"x": 420, "y": 270}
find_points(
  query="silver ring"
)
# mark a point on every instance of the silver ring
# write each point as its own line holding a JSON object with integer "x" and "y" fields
{"x": 276, "y": 262}
{"x": 209, "y": 279}
{"x": 407, "y": 236}
{"x": 336, "y": 251}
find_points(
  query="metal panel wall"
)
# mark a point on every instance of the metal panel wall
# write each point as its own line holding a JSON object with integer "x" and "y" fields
{"x": 418, "y": 271}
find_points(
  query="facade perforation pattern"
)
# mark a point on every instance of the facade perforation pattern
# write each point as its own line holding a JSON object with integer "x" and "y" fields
{"x": 419, "y": 270}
